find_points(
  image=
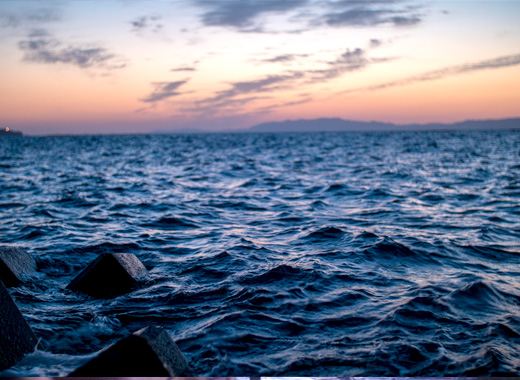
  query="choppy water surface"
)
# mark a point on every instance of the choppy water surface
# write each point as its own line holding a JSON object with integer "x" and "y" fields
{"x": 379, "y": 254}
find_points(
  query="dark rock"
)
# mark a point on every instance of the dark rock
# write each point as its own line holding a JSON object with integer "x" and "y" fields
{"x": 15, "y": 264}
{"x": 16, "y": 337}
{"x": 109, "y": 275}
{"x": 147, "y": 352}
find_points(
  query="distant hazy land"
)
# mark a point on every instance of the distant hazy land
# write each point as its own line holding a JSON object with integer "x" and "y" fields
{"x": 339, "y": 125}
{"x": 335, "y": 125}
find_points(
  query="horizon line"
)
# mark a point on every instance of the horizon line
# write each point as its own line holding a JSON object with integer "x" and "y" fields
{"x": 434, "y": 127}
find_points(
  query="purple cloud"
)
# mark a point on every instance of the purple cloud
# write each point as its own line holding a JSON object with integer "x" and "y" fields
{"x": 372, "y": 13}
{"x": 146, "y": 22}
{"x": 495, "y": 63}
{"x": 164, "y": 90}
{"x": 241, "y": 14}
{"x": 40, "y": 47}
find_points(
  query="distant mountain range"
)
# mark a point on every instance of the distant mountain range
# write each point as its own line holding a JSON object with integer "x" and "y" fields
{"x": 340, "y": 125}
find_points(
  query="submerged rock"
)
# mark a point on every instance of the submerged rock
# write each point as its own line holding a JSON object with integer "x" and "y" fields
{"x": 15, "y": 264}
{"x": 16, "y": 337}
{"x": 147, "y": 352}
{"x": 109, "y": 275}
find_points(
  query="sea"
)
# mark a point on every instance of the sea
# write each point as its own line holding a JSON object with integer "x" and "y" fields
{"x": 276, "y": 254}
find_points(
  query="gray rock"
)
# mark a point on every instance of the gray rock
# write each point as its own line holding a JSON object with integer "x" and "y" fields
{"x": 147, "y": 352}
{"x": 16, "y": 337}
{"x": 15, "y": 264}
{"x": 109, "y": 275}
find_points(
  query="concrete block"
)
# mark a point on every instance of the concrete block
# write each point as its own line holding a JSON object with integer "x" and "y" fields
{"x": 109, "y": 275}
{"x": 147, "y": 352}
{"x": 16, "y": 337}
{"x": 15, "y": 264}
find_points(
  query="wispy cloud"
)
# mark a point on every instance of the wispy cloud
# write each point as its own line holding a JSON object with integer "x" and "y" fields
{"x": 30, "y": 17}
{"x": 41, "y": 47}
{"x": 146, "y": 23}
{"x": 184, "y": 68}
{"x": 374, "y": 42}
{"x": 268, "y": 88}
{"x": 249, "y": 15}
{"x": 350, "y": 60}
{"x": 242, "y": 14}
{"x": 283, "y": 58}
{"x": 268, "y": 83}
{"x": 357, "y": 13}
{"x": 305, "y": 99}
{"x": 164, "y": 90}
{"x": 8, "y": 20}
{"x": 495, "y": 63}
{"x": 243, "y": 92}
{"x": 207, "y": 107}
{"x": 508, "y": 60}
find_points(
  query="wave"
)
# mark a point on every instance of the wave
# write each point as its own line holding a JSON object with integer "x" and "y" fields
{"x": 171, "y": 222}
{"x": 351, "y": 254}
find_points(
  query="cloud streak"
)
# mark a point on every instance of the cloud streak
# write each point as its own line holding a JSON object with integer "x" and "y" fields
{"x": 304, "y": 100}
{"x": 242, "y": 14}
{"x": 30, "y": 17}
{"x": 249, "y": 15}
{"x": 350, "y": 60}
{"x": 243, "y": 92}
{"x": 40, "y": 47}
{"x": 283, "y": 58}
{"x": 164, "y": 90}
{"x": 357, "y": 13}
{"x": 183, "y": 68}
{"x": 265, "y": 88}
{"x": 495, "y": 63}
{"x": 146, "y": 23}
{"x": 266, "y": 84}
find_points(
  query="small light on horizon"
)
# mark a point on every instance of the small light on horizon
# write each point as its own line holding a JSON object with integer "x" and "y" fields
{"x": 7, "y": 129}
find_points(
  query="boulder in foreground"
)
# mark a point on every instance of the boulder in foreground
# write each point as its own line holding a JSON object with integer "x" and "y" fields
{"x": 15, "y": 264}
{"x": 147, "y": 352}
{"x": 109, "y": 275}
{"x": 16, "y": 337}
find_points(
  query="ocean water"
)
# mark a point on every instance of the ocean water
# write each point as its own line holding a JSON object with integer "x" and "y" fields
{"x": 312, "y": 254}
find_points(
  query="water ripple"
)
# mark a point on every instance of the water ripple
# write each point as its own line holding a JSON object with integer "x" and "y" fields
{"x": 326, "y": 254}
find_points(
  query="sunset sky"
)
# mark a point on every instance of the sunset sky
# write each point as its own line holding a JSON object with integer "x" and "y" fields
{"x": 130, "y": 66}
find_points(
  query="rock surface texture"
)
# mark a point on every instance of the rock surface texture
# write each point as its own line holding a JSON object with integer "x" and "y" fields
{"x": 15, "y": 264}
{"x": 16, "y": 337}
{"x": 109, "y": 275}
{"x": 147, "y": 352}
